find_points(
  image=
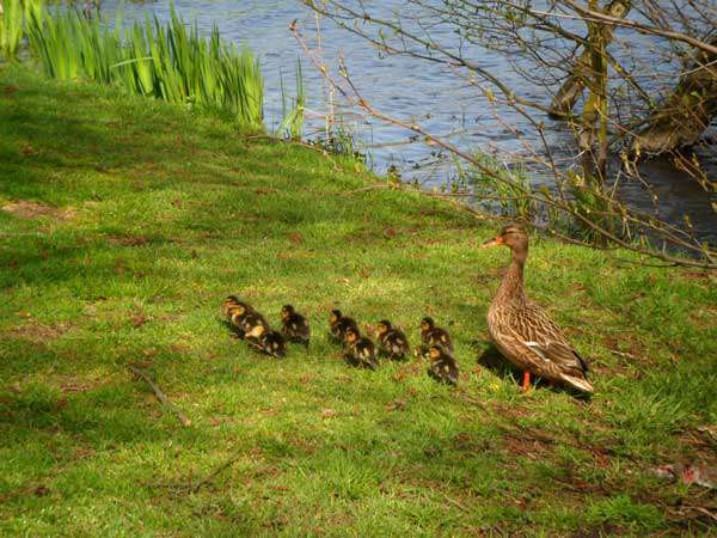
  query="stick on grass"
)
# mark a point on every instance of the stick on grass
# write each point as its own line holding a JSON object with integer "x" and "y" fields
{"x": 161, "y": 396}
{"x": 211, "y": 476}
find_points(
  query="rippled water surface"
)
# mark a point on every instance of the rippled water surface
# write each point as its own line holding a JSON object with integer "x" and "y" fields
{"x": 409, "y": 90}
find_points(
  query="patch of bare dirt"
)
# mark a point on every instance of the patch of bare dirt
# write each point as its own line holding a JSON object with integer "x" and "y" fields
{"x": 9, "y": 89}
{"x": 29, "y": 210}
{"x": 128, "y": 240}
{"x": 38, "y": 332}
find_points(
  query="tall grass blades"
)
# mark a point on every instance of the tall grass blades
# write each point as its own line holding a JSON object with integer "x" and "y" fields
{"x": 13, "y": 15}
{"x": 292, "y": 124}
{"x": 170, "y": 62}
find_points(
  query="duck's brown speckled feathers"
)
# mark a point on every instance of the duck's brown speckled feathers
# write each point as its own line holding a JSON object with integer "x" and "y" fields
{"x": 359, "y": 351}
{"x": 432, "y": 335}
{"x": 443, "y": 366}
{"x": 523, "y": 332}
{"x": 392, "y": 342}
{"x": 338, "y": 324}
{"x": 294, "y": 326}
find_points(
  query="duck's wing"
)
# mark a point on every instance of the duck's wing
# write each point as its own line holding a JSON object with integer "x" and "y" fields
{"x": 548, "y": 345}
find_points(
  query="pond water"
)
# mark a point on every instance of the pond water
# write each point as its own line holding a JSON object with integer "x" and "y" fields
{"x": 411, "y": 90}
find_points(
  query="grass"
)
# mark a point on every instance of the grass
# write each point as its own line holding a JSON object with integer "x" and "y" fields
{"x": 125, "y": 223}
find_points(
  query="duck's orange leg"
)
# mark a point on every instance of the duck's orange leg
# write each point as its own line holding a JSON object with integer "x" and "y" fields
{"x": 526, "y": 380}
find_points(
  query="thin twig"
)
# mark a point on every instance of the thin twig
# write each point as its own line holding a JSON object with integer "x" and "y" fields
{"x": 211, "y": 476}
{"x": 456, "y": 504}
{"x": 161, "y": 396}
{"x": 701, "y": 510}
{"x": 621, "y": 354}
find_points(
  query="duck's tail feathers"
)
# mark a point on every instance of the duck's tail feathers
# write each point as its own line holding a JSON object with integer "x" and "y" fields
{"x": 578, "y": 383}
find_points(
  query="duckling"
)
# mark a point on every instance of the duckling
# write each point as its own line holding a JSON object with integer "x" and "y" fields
{"x": 432, "y": 335}
{"x": 263, "y": 339}
{"x": 338, "y": 324}
{"x": 391, "y": 341}
{"x": 294, "y": 326}
{"x": 228, "y": 305}
{"x": 443, "y": 365}
{"x": 272, "y": 343}
{"x": 245, "y": 320}
{"x": 236, "y": 311}
{"x": 360, "y": 351}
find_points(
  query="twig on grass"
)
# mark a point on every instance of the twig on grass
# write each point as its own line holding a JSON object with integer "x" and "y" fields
{"x": 622, "y": 354}
{"x": 161, "y": 396}
{"x": 211, "y": 476}
{"x": 456, "y": 504}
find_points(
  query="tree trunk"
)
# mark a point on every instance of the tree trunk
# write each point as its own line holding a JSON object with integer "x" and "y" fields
{"x": 570, "y": 91}
{"x": 686, "y": 113}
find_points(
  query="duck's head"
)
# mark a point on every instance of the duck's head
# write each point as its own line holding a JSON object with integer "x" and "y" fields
{"x": 383, "y": 327}
{"x": 334, "y": 316}
{"x": 286, "y": 311}
{"x": 427, "y": 324}
{"x": 230, "y": 301}
{"x": 352, "y": 335}
{"x": 513, "y": 236}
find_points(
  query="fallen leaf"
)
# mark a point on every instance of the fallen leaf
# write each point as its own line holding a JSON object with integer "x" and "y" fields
{"x": 396, "y": 405}
{"x": 41, "y": 491}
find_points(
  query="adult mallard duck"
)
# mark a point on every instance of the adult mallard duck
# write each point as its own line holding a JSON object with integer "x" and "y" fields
{"x": 294, "y": 326}
{"x": 523, "y": 332}
{"x": 391, "y": 341}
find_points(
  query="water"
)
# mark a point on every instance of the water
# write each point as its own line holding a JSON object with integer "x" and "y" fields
{"x": 416, "y": 91}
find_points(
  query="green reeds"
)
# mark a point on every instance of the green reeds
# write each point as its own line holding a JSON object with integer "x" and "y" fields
{"x": 171, "y": 62}
{"x": 292, "y": 125}
{"x": 13, "y": 16}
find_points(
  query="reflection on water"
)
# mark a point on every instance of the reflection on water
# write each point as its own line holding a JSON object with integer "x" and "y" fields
{"x": 412, "y": 90}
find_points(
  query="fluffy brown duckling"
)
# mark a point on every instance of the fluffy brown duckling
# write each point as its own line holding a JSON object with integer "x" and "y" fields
{"x": 392, "y": 342}
{"x": 266, "y": 340}
{"x": 360, "y": 351}
{"x": 432, "y": 335}
{"x": 294, "y": 326}
{"x": 245, "y": 320}
{"x": 272, "y": 343}
{"x": 443, "y": 366}
{"x": 228, "y": 306}
{"x": 338, "y": 324}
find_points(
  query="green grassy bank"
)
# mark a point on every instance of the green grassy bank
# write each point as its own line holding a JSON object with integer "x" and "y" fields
{"x": 125, "y": 222}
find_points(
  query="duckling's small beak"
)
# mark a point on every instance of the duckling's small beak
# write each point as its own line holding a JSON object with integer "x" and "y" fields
{"x": 493, "y": 242}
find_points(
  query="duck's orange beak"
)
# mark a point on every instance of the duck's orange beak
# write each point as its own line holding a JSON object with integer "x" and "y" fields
{"x": 493, "y": 242}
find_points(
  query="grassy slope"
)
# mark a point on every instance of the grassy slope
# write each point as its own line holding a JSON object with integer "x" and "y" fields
{"x": 152, "y": 216}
